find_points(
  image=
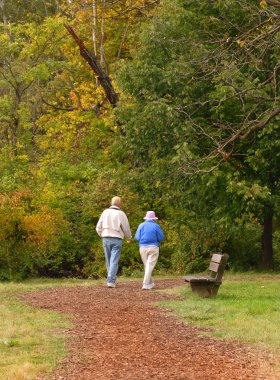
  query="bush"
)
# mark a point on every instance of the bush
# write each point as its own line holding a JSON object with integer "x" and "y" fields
{"x": 243, "y": 247}
{"x": 193, "y": 245}
{"x": 28, "y": 236}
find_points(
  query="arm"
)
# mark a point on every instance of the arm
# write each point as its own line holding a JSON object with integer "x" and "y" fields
{"x": 138, "y": 233}
{"x": 160, "y": 234}
{"x": 125, "y": 227}
{"x": 99, "y": 226}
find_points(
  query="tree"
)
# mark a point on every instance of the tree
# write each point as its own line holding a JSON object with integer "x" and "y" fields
{"x": 205, "y": 101}
{"x": 242, "y": 104}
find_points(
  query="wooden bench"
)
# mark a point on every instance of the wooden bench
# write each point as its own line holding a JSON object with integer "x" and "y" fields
{"x": 208, "y": 286}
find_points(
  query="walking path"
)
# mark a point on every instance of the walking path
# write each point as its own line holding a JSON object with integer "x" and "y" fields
{"x": 120, "y": 334}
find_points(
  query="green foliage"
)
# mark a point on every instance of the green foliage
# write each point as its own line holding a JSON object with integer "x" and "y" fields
{"x": 244, "y": 246}
{"x": 199, "y": 77}
{"x": 21, "y": 11}
{"x": 192, "y": 90}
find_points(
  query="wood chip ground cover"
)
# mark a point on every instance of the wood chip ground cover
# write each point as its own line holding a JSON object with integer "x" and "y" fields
{"x": 120, "y": 334}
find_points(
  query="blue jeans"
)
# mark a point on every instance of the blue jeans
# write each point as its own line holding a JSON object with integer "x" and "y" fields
{"x": 112, "y": 250}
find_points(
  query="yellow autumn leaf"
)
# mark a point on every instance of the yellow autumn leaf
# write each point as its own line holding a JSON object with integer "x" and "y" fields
{"x": 263, "y": 4}
{"x": 240, "y": 43}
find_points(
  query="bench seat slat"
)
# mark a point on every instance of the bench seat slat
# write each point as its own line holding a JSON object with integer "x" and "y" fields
{"x": 189, "y": 278}
{"x": 204, "y": 279}
{"x": 198, "y": 279}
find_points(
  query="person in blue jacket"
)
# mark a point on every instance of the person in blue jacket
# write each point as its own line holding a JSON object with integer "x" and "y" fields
{"x": 150, "y": 235}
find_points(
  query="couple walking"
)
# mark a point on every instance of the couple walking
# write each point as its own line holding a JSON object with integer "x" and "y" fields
{"x": 113, "y": 227}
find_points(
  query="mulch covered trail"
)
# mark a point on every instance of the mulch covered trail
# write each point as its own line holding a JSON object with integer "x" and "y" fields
{"x": 120, "y": 334}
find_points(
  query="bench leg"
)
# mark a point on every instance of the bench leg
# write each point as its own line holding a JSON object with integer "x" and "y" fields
{"x": 205, "y": 290}
{"x": 214, "y": 290}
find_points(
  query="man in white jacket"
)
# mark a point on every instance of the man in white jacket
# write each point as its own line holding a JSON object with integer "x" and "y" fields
{"x": 113, "y": 227}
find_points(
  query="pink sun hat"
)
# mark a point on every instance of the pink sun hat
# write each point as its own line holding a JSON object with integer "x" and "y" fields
{"x": 150, "y": 215}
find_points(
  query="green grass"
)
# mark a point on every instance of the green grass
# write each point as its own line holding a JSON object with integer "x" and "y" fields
{"x": 248, "y": 310}
{"x": 31, "y": 339}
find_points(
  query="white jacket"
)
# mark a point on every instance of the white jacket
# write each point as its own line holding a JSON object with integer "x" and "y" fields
{"x": 113, "y": 223}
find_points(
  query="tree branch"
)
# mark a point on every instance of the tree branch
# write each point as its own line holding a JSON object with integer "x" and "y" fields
{"x": 92, "y": 60}
{"x": 260, "y": 124}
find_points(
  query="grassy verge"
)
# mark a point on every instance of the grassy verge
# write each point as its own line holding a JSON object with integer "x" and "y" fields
{"x": 247, "y": 310}
{"x": 31, "y": 340}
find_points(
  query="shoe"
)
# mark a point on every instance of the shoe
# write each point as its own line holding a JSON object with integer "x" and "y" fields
{"x": 111, "y": 285}
{"x": 148, "y": 287}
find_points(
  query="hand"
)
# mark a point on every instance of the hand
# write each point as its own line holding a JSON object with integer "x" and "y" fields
{"x": 128, "y": 241}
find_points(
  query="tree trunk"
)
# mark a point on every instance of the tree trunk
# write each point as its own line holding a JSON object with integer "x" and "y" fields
{"x": 267, "y": 249}
{"x": 92, "y": 60}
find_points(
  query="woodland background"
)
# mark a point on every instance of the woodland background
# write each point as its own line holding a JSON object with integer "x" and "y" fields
{"x": 172, "y": 105}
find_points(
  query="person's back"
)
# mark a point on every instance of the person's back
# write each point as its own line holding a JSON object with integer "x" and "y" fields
{"x": 113, "y": 223}
{"x": 149, "y": 233}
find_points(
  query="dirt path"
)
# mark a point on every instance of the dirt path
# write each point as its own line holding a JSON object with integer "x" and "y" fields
{"x": 119, "y": 334}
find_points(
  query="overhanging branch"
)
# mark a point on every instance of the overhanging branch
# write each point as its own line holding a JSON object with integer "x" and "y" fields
{"x": 260, "y": 124}
{"x": 92, "y": 60}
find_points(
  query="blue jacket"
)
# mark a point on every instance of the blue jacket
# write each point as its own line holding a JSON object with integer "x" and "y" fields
{"x": 149, "y": 233}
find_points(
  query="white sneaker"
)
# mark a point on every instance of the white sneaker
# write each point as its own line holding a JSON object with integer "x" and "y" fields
{"x": 111, "y": 285}
{"x": 148, "y": 287}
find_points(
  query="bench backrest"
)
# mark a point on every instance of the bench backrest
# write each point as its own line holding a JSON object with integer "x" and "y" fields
{"x": 217, "y": 266}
